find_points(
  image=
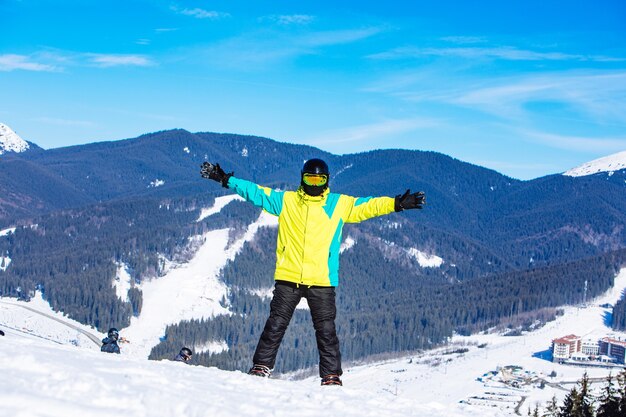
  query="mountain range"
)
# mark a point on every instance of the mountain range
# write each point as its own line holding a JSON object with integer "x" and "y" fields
{"x": 76, "y": 214}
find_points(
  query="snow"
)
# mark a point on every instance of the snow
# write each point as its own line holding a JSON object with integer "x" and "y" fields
{"x": 51, "y": 365}
{"x": 10, "y": 141}
{"x": 42, "y": 377}
{"x": 52, "y": 377}
{"x": 186, "y": 150}
{"x": 4, "y": 262}
{"x": 342, "y": 170}
{"x": 157, "y": 183}
{"x": 122, "y": 281}
{"x": 35, "y": 320}
{"x": 425, "y": 260}
{"x": 608, "y": 164}
{"x": 6, "y": 232}
{"x": 211, "y": 347}
{"x": 189, "y": 291}
{"x": 244, "y": 152}
{"x": 347, "y": 244}
{"x": 220, "y": 202}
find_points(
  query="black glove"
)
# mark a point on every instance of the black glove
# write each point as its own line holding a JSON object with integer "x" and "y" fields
{"x": 215, "y": 173}
{"x": 409, "y": 201}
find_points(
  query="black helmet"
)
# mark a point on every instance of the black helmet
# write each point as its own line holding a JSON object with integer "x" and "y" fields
{"x": 315, "y": 167}
{"x": 186, "y": 353}
{"x": 113, "y": 333}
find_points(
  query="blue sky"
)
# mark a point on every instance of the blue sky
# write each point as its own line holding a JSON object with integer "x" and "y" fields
{"x": 528, "y": 88}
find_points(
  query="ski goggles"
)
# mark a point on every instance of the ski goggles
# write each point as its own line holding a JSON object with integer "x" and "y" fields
{"x": 315, "y": 179}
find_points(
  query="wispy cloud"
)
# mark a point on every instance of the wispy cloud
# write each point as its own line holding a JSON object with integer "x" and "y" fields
{"x": 508, "y": 53}
{"x": 255, "y": 50}
{"x": 200, "y": 13}
{"x": 597, "y": 94}
{"x": 293, "y": 19}
{"x": 577, "y": 143}
{"x": 13, "y": 62}
{"x": 377, "y": 131}
{"x": 108, "y": 60}
{"x": 143, "y": 41}
{"x": 464, "y": 39}
{"x": 337, "y": 37}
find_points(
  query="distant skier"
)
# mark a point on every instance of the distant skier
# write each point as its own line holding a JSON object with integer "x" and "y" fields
{"x": 109, "y": 343}
{"x": 1, "y": 333}
{"x": 184, "y": 355}
{"x": 310, "y": 221}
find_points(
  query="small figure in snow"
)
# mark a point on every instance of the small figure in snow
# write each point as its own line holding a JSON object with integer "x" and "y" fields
{"x": 310, "y": 221}
{"x": 184, "y": 355}
{"x": 1, "y": 333}
{"x": 109, "y": 343}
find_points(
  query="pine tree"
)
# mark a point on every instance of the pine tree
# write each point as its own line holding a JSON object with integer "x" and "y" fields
{"x": 584, "y": 406}
{"x": 621, "y": 392}
{"x": 569, "y": 406}
{"x": 609, "y": 402}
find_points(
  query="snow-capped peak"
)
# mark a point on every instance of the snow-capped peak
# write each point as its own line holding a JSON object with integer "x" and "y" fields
{"x": 10, "y": 141}
{"x": 611, "y": 163}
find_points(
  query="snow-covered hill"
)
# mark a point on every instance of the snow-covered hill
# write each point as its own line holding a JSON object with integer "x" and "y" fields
{"x": 189, "y": 291}
{"x": 10, "y": 141}
{"x": 610, "y": 164}
{"x": 51, "y": 365}
{"x": 44, "y": 374}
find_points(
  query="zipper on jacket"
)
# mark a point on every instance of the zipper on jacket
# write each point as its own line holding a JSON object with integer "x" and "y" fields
{"x": 306, "y": 222}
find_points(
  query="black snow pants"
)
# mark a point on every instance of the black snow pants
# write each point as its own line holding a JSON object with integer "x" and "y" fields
{"x": 321, "y": 302}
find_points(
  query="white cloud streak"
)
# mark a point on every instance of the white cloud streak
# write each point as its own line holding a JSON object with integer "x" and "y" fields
{"x": 201, "y": 13}
{"x": 507, "y": 53}
{"x": 109, "y": 60}
{"x": 596, "y": 94}
{"x": 578, "y": 143}
{"x": 257, "y": 49}
{"x": 287, "y": 20}
{"x": 376, "y": 131}
{"x": 13, "y": 62}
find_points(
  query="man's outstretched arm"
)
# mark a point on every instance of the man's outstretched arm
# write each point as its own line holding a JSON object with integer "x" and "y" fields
{"x": 367, "y": 208}
{"x": 264, "y": 197}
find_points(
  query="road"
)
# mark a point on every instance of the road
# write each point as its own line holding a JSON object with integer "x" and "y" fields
{"x": 91, "y": 337}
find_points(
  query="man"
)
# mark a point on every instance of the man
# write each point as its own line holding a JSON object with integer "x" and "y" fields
{"x": 184, "y": 355}
{"x": 109, "y": 343}
{"x": 310, "y": 221}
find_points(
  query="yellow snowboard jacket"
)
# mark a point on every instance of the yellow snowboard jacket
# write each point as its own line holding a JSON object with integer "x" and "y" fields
{"x": 309, "y": 228}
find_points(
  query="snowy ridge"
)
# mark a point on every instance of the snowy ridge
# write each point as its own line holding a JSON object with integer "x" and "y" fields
{"x": 10, "y": 141}
{"x": 4, "y": 262}
{"x": 425, "y": 260}
{"x": 610, "y": 164}
{"x": 220, "y": 202}
{"x": 6, "y": 232}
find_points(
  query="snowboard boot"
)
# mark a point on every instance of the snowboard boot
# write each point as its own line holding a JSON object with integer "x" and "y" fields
{"x": 260, "y": 370}
{"x": 332, "y": 379}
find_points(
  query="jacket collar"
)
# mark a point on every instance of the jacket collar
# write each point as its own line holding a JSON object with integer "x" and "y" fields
{"x": 305, "y": 198}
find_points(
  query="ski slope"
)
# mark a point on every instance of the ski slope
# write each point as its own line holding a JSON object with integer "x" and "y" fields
{"x": 52, "y": 376}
